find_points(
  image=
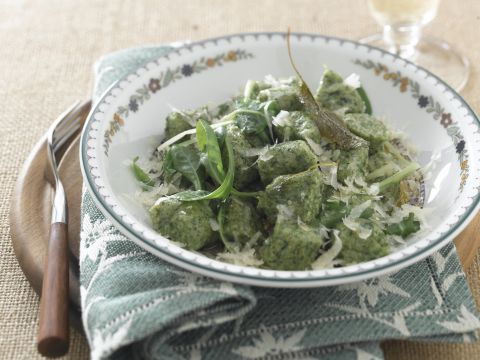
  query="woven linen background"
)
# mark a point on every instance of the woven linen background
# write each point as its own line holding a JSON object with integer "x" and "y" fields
{"x": 47, "y": 49}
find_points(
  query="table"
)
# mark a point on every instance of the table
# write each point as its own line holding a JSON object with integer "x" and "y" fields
{"x": 46, "y": 56}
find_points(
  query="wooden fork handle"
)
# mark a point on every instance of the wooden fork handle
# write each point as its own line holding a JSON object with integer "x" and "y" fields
{"x": 53, "y": 333}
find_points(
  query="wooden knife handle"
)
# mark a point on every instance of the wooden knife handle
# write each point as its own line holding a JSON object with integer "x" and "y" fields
{"x": 53, "y": 333}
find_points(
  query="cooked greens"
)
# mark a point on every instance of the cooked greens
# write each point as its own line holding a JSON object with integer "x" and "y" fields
{"x": 282, "y": 179}
{"x": 186, "y": 161}
{"x": 141, "y": 175}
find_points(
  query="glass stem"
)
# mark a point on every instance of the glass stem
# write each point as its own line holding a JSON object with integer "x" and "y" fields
{"x": 402, "y": 39}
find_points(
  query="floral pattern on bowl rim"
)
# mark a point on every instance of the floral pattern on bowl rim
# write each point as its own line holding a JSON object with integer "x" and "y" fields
{"x": 166, "y": 78}
{"x": 430, "y": 105}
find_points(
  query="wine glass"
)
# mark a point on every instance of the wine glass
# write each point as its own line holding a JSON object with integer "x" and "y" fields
{"x": 402, "y": 22}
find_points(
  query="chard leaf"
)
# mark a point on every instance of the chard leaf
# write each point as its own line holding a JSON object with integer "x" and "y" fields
{"x": 404, "y": 228}
{"x": 222, "y": 191}
{"x": 207, "y": 142}
{"x": 141, "y": 175}
{"x": 186, "y": 161}
{"x": 329, "y": 123}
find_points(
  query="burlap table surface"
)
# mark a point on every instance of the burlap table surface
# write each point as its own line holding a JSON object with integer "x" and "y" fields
{"x": 47, "y": 50}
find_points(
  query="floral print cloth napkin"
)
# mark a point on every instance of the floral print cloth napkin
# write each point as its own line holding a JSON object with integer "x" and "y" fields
{"x": 136, "y": 306}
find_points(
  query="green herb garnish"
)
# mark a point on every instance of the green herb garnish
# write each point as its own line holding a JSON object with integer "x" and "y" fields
{"x": 186, "y": 161}
{"x": 222, "y": 191}
{"x": 207, "y": 142}
{"x": 363, "y": 94}
{"x": 141, "y": 175}
{"x": 250, "y": 121}
{"x": 407, "y": 226}
{"x": 333, "y": 212}
{"x": 399, "y": 176}
{"x": 230, "y": 246}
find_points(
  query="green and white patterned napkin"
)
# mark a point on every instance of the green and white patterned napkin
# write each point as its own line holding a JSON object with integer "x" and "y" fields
{"x": 136, "y": 306}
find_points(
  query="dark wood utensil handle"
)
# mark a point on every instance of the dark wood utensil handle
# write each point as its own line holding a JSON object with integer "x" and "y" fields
{"x": 53, "y": 333}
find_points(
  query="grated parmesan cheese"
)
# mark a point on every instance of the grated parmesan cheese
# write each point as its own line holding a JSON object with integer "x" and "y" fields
{"x": 282, "y": 119}
{"x": 351, "y": 220}
{"x": 326, "y": 260}
{"x": 244, "y": 257}
{"x": 352, "y": 80}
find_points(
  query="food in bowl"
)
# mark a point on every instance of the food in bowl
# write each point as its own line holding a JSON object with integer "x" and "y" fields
{"x": 281, "y": 179}
{"x": 129, "y": 120}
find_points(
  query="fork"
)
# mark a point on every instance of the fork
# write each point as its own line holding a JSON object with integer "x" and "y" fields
{"x": 53, "y": 334}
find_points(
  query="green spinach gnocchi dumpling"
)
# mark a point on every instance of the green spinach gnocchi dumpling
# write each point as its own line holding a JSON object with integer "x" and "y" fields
{"x": 286, "y": 158}
{"x": 188, "y": 223}
{"x": 356, "y": 249}
{"x": 367, "y": 127}
{"x": 291, "y": 246}
{"x": 241, "y": 222}
{"x": 300, "y": 194}
{"x": 334, "y": 94}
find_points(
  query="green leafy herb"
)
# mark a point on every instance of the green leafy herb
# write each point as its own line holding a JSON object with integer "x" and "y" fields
{"x": 222, "y": 191}
{"x": 220, "y": 132}
{"x": 407, "y": 226}
{"x": 333, "y": 212}
{"x": 251, "y": 90}
{"x": 223, "y": 109}
{"x": 250, "y": 121}
{"x": 399, "y": 176}
{"x": 246, "y": 193}
{"x": 270, "y": 110}
{"x": 229, "y": 245}
{"x": 186, "y": 160}
{"x": 388, "y": 169}
{"x": 330, "y": 124}
{"x": 363, "y": 94}
{"x": 168, "y": 168}
{"x": 141, "y": 175}
{"x": 392, "y": 149}
{"x": 207, "y": 141}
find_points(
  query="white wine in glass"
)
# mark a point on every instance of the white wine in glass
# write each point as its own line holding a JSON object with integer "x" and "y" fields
{"x": 402, "y": 22}
{"x": 392, "y": 12}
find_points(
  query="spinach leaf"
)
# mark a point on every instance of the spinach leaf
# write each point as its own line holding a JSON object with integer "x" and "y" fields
{"x": 220, "y": 132}
{"x": 141, "y": 175}
{"x": 251, "y": 194}
{"x": 407, "y": 226}
{"x": 224, "y": 109}
{"x": 271, "y": 109}
{"x": 242, "y": 104}
{"x": 250, "y": 121}
{"x": 229, "y": 245}
{"x": 186, "y": 161}
{"x": 363, "y": 94}
{"x": 207, "y": 141}
{"x": 222, "y": 191}
{"x": 168, "y": 169}
{"x": 333, "y": 212}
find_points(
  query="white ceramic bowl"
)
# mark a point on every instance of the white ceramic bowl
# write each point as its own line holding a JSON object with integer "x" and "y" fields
{"x": 129, "y": 120}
